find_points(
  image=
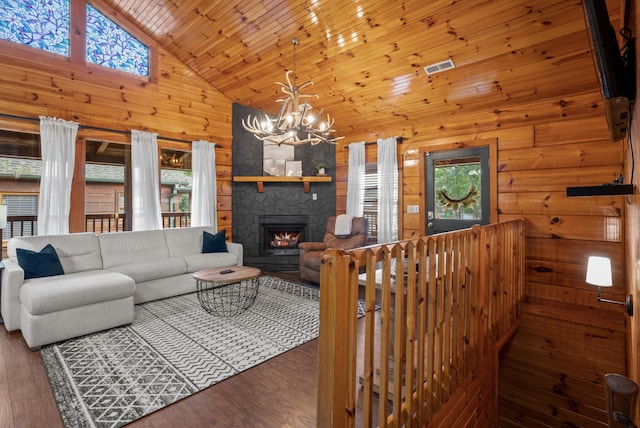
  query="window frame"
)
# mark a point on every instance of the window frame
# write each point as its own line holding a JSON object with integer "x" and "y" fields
{"x": 76, "y": 60}
{"x": 121, "y": 28}
{"x": 437, "y": 224}
{"x": 66, "y": 40}
{"x": 438, "y": 145}
{"x": 370, "y": 182}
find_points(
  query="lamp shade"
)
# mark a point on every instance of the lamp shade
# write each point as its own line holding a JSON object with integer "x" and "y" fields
{"x": 3, "y": 216}
{"x": 599, "y": 271}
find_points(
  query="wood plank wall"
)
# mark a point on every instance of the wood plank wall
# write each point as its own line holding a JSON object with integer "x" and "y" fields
{"x": 551, "y": 373}
{"x": 632, "y": 226}
{"x": 177, "y": 104}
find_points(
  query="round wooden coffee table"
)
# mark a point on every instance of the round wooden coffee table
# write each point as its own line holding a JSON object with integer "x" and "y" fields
{"x": 230, "y": 293}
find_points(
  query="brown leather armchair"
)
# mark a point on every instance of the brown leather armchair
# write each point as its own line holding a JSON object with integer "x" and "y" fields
{"x": 310, "y": 252}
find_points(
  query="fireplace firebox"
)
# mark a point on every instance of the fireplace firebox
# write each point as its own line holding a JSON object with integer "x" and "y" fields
{"x": 280, "y": 234}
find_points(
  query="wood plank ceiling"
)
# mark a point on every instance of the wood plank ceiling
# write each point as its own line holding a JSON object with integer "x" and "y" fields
{"x": 366, "y": 57}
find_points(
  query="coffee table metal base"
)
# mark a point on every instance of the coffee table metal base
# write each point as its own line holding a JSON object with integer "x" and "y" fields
{"x": 227, "y": 298}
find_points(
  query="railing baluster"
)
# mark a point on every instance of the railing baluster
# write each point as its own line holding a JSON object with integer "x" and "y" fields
{"x": 27, "y": 225}
{"x": 466, "y": 305}
{"x": 169, "y": 220}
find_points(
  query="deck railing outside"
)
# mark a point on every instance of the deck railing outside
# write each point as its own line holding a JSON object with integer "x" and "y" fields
{"x": 176, "y": 219}
{"x": 461, "y": 296}
{"x": 20, "y": 225}
{"x": 98, "y": 223}
{"x": 105, "y": 223}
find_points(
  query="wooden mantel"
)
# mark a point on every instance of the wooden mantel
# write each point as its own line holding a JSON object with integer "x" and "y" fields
{"x": 261, "y": 179}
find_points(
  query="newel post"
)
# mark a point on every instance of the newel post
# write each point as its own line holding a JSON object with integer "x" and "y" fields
{"x": 333, "y": 408}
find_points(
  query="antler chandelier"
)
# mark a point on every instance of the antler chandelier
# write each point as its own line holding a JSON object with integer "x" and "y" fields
{"x": 295, "y": 123}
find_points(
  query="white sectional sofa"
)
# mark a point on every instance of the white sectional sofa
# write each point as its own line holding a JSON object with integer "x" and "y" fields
{"x": 104, "y": 276}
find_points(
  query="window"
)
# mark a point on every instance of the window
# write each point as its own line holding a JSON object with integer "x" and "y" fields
{"x": 120, "y": 200}
{"x": 104, "y": 186}
{"x": 457, "y": 189}
{"x": 45, "y": 24}
{"x": 42, "y": 24}
{"x": 21, "y": 205}
{"x": 370, "y": 210}
{"x": 457, "y": 183}
{"x": 175, "y": 188}
{"x": 20, "y": 171}
{"x": 111, "y": 46}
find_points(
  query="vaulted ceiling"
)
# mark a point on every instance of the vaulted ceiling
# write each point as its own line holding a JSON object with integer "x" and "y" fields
{"x": 366, "y": 57}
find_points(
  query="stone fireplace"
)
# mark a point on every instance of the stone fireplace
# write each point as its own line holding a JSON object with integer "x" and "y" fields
{"x": 283, "y": 208}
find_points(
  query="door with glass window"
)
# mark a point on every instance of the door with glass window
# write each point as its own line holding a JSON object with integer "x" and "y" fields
{"x": 457, "y": 189}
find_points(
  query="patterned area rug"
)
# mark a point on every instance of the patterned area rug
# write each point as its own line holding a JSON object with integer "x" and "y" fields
{"x": 172, "y": 350}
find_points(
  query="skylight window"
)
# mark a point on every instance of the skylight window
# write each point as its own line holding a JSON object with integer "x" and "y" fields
{"x": 111, "y": 46}
{"x": 42, "y": 24}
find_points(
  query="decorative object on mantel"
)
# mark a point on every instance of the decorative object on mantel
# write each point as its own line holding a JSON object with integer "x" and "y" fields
{"x": 295, "y": 118}
{"x": 294, "y": 168}
{"x": 275, "y": 158}
{"x": 321, "y": 169}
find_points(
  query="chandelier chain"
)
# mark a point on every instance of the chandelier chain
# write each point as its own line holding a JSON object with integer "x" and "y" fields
{"x": 295, "y": 44}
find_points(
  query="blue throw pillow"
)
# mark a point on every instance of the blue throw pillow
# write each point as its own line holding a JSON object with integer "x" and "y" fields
{"x": 38, "y": 264}
{"x": 214, "y": 243}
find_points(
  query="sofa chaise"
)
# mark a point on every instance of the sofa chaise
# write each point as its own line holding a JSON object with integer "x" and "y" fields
{"x": 104, "y": 276}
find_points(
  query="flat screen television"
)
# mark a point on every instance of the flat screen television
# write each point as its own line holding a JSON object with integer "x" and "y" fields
{"x": 615, "y": 70}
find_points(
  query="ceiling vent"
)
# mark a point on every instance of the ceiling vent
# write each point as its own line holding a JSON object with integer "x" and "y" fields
{"x": 439, "y": 66}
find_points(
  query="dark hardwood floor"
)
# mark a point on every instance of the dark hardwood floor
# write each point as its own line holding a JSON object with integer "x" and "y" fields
{"x": 280, "y": 392}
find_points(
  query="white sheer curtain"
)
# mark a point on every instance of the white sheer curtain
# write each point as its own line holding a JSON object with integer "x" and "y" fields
{"x": 145, "y": 182}
{"x": 58, "y": 148}
{"x": 203, "y": 194}
{"x": 355, "y": 180}
{"x": 387, "y": 190}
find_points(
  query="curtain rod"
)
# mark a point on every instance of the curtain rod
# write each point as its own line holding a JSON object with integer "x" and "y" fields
{"x": 95, "y": 128}
{"x": 399, "y": 140}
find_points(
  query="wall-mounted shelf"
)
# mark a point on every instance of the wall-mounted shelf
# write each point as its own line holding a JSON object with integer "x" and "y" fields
{"x": 261, "y": 179}
{"x": 602, "y": 190}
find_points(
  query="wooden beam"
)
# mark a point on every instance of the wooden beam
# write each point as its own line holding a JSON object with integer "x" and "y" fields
{"x": 77, "y": 206}
{"x": 103, "y": 147}
{"x": 128, "y": 196}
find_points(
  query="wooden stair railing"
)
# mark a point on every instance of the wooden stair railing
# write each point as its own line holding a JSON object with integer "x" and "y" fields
{"x": 461, "y": 297}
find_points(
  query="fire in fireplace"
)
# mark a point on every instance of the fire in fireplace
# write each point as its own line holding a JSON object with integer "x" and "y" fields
{"x": 285, "y": 239}
{"x": 280, "y": 235}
